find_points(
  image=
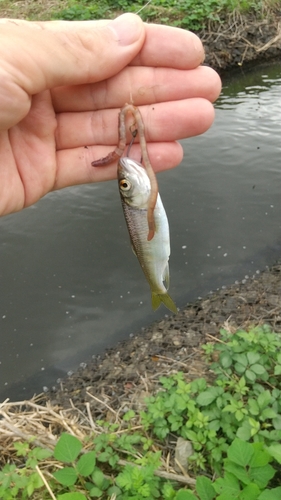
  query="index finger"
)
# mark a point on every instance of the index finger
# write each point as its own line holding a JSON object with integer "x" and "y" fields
{"x": 164, "y": 46}
{"x": 167, "y": 46}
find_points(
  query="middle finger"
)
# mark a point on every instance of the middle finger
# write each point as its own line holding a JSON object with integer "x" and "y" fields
{"x": 138, "y": 85}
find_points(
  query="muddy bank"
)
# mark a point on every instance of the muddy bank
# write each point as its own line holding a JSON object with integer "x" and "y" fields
{"x": 241, "y": 39}
{"x": 129, "y": 372}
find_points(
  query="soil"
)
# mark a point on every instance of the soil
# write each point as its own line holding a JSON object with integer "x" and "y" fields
{"x": 242, "y": 39}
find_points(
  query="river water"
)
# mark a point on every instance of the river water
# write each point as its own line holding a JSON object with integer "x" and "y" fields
{"x": 70, "y": 285}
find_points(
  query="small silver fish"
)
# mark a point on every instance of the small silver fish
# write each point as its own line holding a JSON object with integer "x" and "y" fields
{"x": 153, "y": 255}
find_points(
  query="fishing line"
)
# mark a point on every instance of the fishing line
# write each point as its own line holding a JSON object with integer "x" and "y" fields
{"x": 147, "y": 3}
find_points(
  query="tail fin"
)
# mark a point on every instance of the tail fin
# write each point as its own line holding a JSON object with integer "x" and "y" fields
{"x": 166, "y": 299}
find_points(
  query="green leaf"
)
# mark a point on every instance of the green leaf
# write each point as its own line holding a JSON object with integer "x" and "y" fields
{"x": 42, "y": 454}
{"x": 255, "y": 426}
{"x": 250, "y": 375}
{"x": 240, "y": 452}
{"x": 129, "y": 415}
{"x": 207, "y": 397}
{"x": 22, "y": 448}
{"x": 67, "y": 448}
{"x": 98, "y": 477}
{"x": 279, "y": 358}
{"x": 274, "y": 494}
{"x": 72, "y": 496}
{"x": 238, "y": 471}
{"x": 260, "y": 457}
{"x": 66, "y": 476}
{"x": 262, "y": 475}
{"x": 114, "y": 490}
{"x": 30, "y": 489}
{"x": 277, "y": 370}
{"x": 239, "y": 415}
{"x": 205, "y": 488}
{"x": 253, "y": 357}
{"x": 268, "y": 413}
{"x": 264, "y": 398}
{"x": 241, "y": 359}
{"x": 185, "y": 495}
{"x": 253, "y": 407}
{"x": 275, "y": 451}
{"x": 95, "y": 492}
{"x": 225, "y": 360}
{"x": 86, "y": 464}
{"x": 229, "y": 485}
{"x": 244, "y": 432}
{"x": 258, "y": 369}
{"x": 239, "y": 368}
{"x": 250, "y": 492}
{"x": 277, "y": 422}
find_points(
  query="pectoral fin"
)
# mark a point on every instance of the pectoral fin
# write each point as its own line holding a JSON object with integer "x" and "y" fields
{"x": 156, "y": 300}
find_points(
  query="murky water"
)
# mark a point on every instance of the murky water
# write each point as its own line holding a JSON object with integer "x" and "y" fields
{"x": 70, "y": 285}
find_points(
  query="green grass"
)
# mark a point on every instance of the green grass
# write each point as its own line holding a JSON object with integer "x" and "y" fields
{"x": 188, "y": 14}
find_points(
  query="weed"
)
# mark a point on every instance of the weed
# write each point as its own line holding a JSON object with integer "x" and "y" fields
{"x": 188, "y": 14}
{"x": 234, "y": 425}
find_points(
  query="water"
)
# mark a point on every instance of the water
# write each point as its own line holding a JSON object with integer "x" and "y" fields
{"x": 70, "y": 285}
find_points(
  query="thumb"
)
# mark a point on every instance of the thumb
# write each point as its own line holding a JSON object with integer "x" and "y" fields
{"x": 38, "y": 56}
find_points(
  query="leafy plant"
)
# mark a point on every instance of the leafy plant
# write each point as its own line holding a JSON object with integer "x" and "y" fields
{"x": 244, "y": 400}
{"x": 188, "y": 14}
{"x": 234, "y": 425}
{"x": 25, "y": 480}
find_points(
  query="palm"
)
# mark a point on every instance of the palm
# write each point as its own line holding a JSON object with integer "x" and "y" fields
{"x": 30, "y": 157}
{"x": 48, "y": 138}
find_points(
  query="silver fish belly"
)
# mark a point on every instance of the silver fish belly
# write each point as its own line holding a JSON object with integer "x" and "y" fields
{"x": 153, "y": 255}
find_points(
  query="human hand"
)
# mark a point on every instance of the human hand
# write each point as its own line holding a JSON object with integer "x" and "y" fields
{"x": 62, "y": 85}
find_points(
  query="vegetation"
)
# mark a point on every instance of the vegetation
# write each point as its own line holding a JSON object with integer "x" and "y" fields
{"x": 233, "y": 424}
{"x": 189, "y": 14}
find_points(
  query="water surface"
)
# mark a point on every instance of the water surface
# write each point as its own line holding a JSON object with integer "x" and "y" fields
{"x": 70, "y": 285}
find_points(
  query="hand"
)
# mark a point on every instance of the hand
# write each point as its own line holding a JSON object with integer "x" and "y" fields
{"x": 62, "y": 85}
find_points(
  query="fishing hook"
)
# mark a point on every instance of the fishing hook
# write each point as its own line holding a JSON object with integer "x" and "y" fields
{"x": 119, "y": 150}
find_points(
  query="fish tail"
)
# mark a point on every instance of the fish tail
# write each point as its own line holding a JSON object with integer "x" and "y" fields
{"x": 166, "y": 299}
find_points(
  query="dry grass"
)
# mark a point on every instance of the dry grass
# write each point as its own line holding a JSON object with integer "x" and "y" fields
{"x": 39, "y": 10}
{"x": 41, "y": 425}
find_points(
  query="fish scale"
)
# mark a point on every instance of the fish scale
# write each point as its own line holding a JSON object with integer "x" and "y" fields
{"x": 153, "y": 255}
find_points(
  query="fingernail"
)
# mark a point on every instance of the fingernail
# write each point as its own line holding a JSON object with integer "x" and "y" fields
{"x": 126, "y": 28}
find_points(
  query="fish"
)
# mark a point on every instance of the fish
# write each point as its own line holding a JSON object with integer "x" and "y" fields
{"x": 153, "y": 255}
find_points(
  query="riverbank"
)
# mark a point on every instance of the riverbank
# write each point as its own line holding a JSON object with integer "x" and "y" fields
{"x": 104, "y": 400}
{"x": 132, "y": 368}
{"x": 235, "y": 39}
{"x": 242, "y": 39}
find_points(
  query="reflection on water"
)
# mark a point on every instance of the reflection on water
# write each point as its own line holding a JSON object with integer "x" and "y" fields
{"x": 70, "y": 285}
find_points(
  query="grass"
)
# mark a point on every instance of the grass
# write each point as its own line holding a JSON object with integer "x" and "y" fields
{"x": 189, "y": 14}
{"x": 32, "y": 10}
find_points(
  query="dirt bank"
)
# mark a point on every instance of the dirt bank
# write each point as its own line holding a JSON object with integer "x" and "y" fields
{"x": 125, "y": 373}
{"x": 233, "y": 41}
{"x": 241, "y": 39}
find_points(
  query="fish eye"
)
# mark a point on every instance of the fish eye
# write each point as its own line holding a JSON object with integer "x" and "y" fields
{"x": 124, "y": 185}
